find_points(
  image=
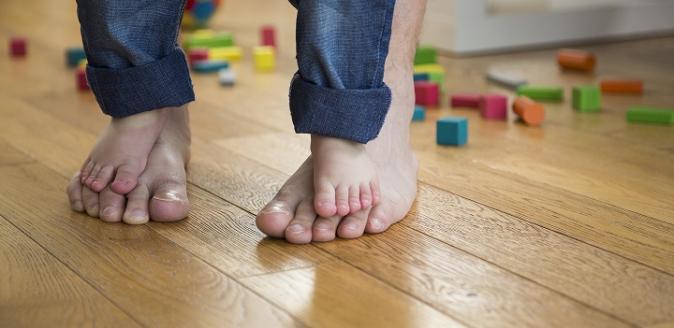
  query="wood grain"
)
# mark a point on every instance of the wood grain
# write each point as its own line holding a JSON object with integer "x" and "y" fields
{"x": 131, "y": 265}
{"x": 38, "y": 290}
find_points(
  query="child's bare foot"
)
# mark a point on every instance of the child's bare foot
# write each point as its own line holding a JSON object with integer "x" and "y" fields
{"x": 345, "y": 179}
{"x": 161, "y": 193}
{"x": 120, "y": 155}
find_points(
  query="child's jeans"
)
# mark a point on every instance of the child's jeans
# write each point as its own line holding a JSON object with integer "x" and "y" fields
{"x": 136, "y": 65}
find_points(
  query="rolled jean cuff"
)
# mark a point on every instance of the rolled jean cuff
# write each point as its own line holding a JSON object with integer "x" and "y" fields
{"x": 352, "y": 114}
{"x": 128, "y": 91}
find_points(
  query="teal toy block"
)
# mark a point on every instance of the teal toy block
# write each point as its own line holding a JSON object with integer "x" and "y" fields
{"x": 650, "y": 115}
{"x": 539, "y": 93}
{"x": 426, "y": 55}
{"x": 452, "y": 131}
{"x": 587, "y": 99}
{"x": 422, "y": 77}
{"x": 210, "y": 66}
{"x": 74, "y": 56}
{"x": 419, "y": 114}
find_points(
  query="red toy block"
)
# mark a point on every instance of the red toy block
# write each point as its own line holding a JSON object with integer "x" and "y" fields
{"x": 198, "y": 54}
{"x": 427, "y": 93}
{"x": 81, "y": 79}
{"x": 18, "y": 47}
{"x": 494, "y": 107}
{"x": 465, "y": 100}
{"x": 268, "y": 36}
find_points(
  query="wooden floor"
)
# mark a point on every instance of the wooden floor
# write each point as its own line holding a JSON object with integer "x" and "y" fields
{"x": 568, "y": 225}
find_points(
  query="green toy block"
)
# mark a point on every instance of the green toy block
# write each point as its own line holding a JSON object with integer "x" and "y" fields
{"x": 209, "y": 41}
{"x": 551, "y": 94}
{"x": 587, "y": 99}
{"x": 650, "y": 115}
{"x": 426, "y": 55}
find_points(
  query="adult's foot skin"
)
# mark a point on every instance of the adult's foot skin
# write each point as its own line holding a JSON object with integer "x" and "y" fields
{"x": 121, "y": 153}
{"x": 160, "y": 194}
{"x": 287, "y": 214}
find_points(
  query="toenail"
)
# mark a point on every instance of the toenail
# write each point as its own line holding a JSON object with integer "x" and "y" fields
{"x": 296, "y": 228}
{"x": 322, "y": 227}
{"x": 351, "y": 227}
{"x": 276, "y": 208}
{"x": 108, "y": 211}
{"x": 170, "y": 196}
{"x": 376, "y": 224}
{"x": 138, "y": 214}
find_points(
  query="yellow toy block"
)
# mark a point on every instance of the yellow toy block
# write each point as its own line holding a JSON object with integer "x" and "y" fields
{"x": 225, "y": 53}
{"x": 203, "y": 33}
{"x": 429, "y": 68}
{"x": 265, "y": 58}
{"x": 82, "y": 63}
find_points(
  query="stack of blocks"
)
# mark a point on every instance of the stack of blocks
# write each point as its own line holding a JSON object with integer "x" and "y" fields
{"x": 452, "y": 131}
{"x": 18, "y": 47}
{"x": 494, "y": 107}
{"x": 587, "y": 99}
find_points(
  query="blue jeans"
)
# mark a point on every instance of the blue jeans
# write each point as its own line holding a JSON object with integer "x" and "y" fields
{"x": 136, "y": 64}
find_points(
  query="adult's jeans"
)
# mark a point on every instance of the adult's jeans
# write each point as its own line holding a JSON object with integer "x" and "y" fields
{"x": 136, "y": 64}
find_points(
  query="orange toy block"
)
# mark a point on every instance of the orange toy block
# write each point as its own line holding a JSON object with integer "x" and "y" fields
{"x": 578, "y": 60}
{"x": 529, "y": 111}
{"x": 622, "y": 86}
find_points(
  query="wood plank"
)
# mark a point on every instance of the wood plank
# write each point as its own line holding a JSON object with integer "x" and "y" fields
{"x": 551, "y": 259}
{"x": 317, "y": 297}
{"x": 38, "y": 290}
{"x": 146, "y": 275}
{"x": 11, "y": 156}
{"x": 226, "y": 237}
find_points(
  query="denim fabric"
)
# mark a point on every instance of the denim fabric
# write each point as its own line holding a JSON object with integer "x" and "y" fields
{"x": 135, "y": 63}
{"x": 339, "y": 90}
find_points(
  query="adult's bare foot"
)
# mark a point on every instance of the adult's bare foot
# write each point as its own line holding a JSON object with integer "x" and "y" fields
{"x": 160, "y": 194}
{"x": 121, "y": 153}
{"x": 290, "y": 214}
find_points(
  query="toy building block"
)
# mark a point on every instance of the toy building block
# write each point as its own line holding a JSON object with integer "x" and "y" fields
{"x": 425, "y": 55}
{"x": 196, "y": 55}
{"x": 83, "y": 64}
{"x": 18, "y": 47}
{"x": 587, "y": 99}
{"x": 529, "y": 111}
{"x": 436, "y": 73}
{"x": 452, "y": 131}
{"x": 81, "y": 79}
{"x": 538, "y": 93}
{"x": 227, "y": 77}
{"x": 622, "y": 86}
{"x": 209, "y": 66}
{"x": 650, "y": 115}
{"x": 422, "y": 77}
{"x": 265, "y": 58}
{"x": 577, "y": 60}
{"x": 427, "y": 93}
{"x": 419, "y": 114}
{"x": 465, "y": 100}
{"x": 494, "y": 107}
{"x": 232, "y": 53}
{"x": 506, "y": 79}
{"x": 74, "y": 56}
{"x": 268, "y": 36}
{"x": 208, "y": 40}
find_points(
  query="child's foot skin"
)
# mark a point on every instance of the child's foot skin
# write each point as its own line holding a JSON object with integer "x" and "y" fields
{"x": 161, "y": 193}
{"x": 345, "y": 179}
{"x": 121, "y": 153}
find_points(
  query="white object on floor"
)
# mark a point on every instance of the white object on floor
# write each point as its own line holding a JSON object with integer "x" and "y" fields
{"x": 507, "y": 79}
{"x": 227, "y": 77}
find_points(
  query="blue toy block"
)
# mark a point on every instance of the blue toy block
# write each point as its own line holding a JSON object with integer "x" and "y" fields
{"x": 422, "y": 77}
{"x": 74, "y": 56}
{"x": 452, "y": 131}
{"x": 210, "y": 66}
{"x": 419, "y": 114}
